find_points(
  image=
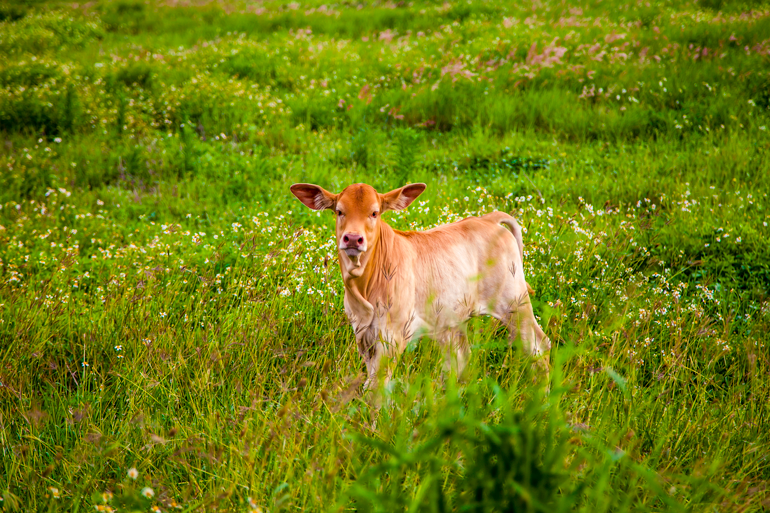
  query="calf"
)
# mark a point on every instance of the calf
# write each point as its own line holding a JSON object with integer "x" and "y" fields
{"x": 400, "y": 285}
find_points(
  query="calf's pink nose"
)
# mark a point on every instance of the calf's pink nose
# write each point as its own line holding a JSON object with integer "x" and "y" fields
{"x": 353, "y": 239}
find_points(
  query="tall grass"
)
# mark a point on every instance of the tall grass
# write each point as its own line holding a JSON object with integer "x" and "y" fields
{"x": 172, "y": 333}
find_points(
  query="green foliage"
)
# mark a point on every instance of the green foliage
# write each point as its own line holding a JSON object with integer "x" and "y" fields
{"x": 407, "y": 147}
{"x": 47, "y": 31}
{"x": 167, "y": 305}
{"x": 480, "y": 449}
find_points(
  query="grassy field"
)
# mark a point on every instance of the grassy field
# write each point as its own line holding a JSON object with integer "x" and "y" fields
{"x": 172, "y": 333}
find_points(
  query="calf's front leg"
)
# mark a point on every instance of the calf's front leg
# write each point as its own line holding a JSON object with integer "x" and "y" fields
{"x": 372, "y": 349}
{"x": 456, "y": 350}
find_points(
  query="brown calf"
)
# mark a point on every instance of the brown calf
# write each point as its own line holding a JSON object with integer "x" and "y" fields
{"x": 400, "y": 285}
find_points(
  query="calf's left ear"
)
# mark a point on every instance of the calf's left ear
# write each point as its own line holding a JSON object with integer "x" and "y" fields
{"x": 399, "y": 199}
{"x": 313, "y": 196}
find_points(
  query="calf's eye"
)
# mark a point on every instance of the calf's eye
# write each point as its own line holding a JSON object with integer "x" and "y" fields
{"x": 374, "y": 215}
{"x": 339, "y": 213}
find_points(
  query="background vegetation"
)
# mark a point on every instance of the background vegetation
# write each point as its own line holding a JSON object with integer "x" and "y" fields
{"x": 171, "y": 325}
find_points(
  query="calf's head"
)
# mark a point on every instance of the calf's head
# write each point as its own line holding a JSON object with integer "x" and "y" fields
{"x": 357, "y": 208}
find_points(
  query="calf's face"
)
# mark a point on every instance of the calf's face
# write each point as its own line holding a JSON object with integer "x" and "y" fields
{"x": 357, "y": 208}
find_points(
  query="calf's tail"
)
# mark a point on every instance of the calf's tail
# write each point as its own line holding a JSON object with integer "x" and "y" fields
{"x": 513, "y": 226}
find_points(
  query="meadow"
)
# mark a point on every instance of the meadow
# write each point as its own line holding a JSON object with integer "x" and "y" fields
{"x": 172, "y": 335}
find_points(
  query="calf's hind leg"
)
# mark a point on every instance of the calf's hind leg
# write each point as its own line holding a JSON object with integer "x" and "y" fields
{"x": 517, "y": 315}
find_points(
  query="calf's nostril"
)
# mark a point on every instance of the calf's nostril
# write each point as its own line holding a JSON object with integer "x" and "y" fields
{"x": 345, "y": 239}
{"x": 360, "y": 240}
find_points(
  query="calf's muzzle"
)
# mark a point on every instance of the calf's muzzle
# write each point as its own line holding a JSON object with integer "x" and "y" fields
{"x": 353, "y": 244}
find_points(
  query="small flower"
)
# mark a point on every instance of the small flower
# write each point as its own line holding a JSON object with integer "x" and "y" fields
{"x": 85, "y": 364}
{"x": 148, "y": 492}
{"x": 133, "y": 473}
{"x": 107, "y": 496}
{"x": 156, "y": 509}
{"x": 253, "y": 508}
{"x": 55, "y": 492}
{"x": 163, "y": 315}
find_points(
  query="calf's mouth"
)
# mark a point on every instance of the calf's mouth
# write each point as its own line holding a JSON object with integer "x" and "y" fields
{"x": 352, "y": 252}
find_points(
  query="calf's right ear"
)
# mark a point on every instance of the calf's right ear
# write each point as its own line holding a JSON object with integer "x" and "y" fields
{"x": 313, "y": 196}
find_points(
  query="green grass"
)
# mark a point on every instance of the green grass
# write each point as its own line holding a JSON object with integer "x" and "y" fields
{"x": 167, "y": 305}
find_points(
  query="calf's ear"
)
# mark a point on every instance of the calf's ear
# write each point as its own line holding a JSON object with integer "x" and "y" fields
{"x": 399, "y": 199}
{"x": 313, "y": 196}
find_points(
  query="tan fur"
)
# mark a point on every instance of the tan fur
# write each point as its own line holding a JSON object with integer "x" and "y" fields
{"x": 405, "y": 284}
